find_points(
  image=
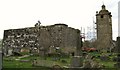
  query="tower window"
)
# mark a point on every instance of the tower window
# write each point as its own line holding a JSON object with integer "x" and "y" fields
{"x": 101, "y": 16}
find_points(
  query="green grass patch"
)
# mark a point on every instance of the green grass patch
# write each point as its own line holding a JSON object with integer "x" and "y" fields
{"x": 10, "y": 62}
{"x": 16, "y": 64}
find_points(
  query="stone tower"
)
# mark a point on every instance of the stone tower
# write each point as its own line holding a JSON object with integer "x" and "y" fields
{"x": 104, "y": 29}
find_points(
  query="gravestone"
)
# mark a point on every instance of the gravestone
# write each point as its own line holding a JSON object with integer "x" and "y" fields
{"x": 104, "y": 58}
{"x": 0, "y": 60}
{"x": 76, "y": 61}
{"x": 16, "y": 54}
{"x": 10, "y": 52}
{"x": 118, "y": 44}
{"x": 24, "y": 60}
{"x": 118, "y": 53}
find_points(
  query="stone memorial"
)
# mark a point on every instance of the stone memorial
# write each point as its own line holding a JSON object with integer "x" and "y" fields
{"x": 118, "y": 53}
{"x": 76, "y": 61}
{"x": 0, "y": 60}
{"x": 104, "y": 58}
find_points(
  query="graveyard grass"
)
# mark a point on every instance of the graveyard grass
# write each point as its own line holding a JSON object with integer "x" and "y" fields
{"x": 10, "y": 62}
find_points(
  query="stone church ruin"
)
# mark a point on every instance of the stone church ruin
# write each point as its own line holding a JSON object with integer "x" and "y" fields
{"x": 41, "y": 39}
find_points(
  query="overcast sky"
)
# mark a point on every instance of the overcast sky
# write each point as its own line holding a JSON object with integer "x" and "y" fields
{"x": 75, "y": 13}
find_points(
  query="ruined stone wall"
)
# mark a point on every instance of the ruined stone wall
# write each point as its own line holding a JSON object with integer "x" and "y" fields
{"x": 41, "y": 38}
{"x": 15, "y": 39}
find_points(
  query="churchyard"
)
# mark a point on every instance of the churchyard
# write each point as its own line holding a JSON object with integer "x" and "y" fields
{"x": 106, "y": 60}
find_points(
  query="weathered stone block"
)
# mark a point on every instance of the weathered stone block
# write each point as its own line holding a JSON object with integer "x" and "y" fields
{"x": 77, "y": 61}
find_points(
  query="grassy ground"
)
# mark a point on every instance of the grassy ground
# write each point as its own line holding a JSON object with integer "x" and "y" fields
{"x": 11, "y": 62}
{"x": 109, "y": 63}
{"x": 16, "y": 64}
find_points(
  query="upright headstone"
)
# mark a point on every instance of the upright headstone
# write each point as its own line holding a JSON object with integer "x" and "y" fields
{"x": 0, "y": 60}
{"x": 118, "y": 53}
{"x": 10, "y": 52}
{"x": 118, "y": 44}
{"x": 76, "y": 61}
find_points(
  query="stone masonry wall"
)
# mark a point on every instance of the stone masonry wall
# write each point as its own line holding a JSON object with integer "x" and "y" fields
{"x": 42, "y": 38}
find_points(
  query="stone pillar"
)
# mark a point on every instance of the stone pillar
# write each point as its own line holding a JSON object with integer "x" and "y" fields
{"x": 118, "y": 44}
{"x": 79, "y": 45}
{"x": 0, "y": 60}
{"x": 118, "y": 53}
{"x": 77, "y": 60}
